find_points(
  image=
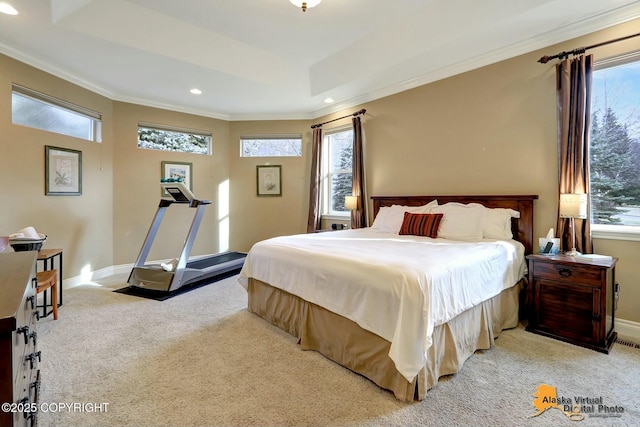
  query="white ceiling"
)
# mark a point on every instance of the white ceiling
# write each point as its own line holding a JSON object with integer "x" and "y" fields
{"x": 266, "y": 59}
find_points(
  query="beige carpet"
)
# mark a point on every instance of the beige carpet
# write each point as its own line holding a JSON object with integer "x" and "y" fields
{"x": 200, "y": 359}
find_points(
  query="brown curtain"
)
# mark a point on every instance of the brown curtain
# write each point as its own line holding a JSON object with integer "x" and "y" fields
{"x": 573, "y": 78}
{"x": 313, "y": 221}
{"x": 359, "y": 217}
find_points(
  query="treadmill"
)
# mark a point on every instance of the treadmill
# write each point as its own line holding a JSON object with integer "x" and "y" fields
{"x": 168, "y": 277}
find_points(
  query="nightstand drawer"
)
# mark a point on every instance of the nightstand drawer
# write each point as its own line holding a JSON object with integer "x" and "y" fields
{"x": 575, "y": 273}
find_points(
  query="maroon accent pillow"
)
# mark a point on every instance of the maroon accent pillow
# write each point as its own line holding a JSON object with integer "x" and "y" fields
{"x": 421, "y": 224}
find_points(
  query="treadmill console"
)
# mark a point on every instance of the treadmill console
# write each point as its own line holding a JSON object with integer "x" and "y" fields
{"x": 178, "y": 191}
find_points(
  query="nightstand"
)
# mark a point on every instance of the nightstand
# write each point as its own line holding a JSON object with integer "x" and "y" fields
{"x": 573, "y": 299}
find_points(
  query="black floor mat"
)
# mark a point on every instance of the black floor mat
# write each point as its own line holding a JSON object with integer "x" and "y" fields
{"x": 161, "y": 295}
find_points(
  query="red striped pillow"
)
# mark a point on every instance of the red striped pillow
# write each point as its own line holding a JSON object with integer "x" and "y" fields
{"x": 421, "y": 224}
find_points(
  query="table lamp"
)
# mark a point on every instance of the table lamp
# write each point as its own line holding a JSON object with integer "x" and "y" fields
{"x": 573, "y": 206}
{"x": 351, "y": 203}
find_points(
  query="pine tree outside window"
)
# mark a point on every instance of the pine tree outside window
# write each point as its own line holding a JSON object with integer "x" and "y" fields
{"x": 337, "y": 171}
{"x": 615, "y": 149}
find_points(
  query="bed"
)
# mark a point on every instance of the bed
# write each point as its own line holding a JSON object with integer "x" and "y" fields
{"x": 403, "y": 309}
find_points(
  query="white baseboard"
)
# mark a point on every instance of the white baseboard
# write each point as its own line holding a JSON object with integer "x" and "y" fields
{"x": 72, "y": 282}
{"x": 628, "y": 330}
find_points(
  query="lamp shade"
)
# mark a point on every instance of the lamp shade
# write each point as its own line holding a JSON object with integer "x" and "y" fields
{"x": 351, "y": 202}
{"x": 573, "y": 205}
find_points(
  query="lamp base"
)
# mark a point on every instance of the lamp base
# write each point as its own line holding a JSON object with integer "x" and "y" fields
{"x": 572, "y": 252}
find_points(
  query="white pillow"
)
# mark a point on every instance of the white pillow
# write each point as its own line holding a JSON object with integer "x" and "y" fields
{"x": 497, "y": 224}
{"x": 461, "y": 221}
{"x": 389, "y": 218}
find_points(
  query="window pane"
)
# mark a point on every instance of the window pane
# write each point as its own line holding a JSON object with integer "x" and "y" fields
{"x": 340, "y": 187}
{"x": 167, "y": 140}
{"x": 37, "y": 114}
{"x": 615, "y": 145}
{"x": 340, "y": 152}
{"x": 271, "y": 147}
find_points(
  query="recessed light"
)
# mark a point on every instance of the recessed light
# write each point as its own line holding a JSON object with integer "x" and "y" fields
{"x": 8, "y": 9}
{"x": 196, "y": 91}
{"x": 329, "y": 100}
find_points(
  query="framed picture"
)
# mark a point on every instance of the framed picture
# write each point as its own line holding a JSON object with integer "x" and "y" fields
{"x": 62, "y": 171}
{"x": 177, "y": 170}
{"x": 269, "y": 180}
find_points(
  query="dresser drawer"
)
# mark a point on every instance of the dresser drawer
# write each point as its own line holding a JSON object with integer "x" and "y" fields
{"x": 575, "y": 273}
{"x": 23, "y": 342}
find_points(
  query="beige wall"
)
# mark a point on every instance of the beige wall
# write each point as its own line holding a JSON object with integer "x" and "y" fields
{"x": 256, "y": 218}
{"x": 136, "y": 182}
{"x": 490, "y": 131}
{"x": 81, "y": 225}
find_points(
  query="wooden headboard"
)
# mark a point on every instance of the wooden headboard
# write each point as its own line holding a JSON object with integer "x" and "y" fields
{"x": 522, "y": 227}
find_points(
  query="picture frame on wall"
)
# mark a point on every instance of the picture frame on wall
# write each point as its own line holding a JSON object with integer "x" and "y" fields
{"x": 62, "y": 171}
{"x": 177, "y": 170}
{"x": 269, "y": 180}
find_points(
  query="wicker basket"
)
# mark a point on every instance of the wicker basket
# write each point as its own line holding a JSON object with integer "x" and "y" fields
{"x": 33, "y": 246}
{"x": 20, "y": 245}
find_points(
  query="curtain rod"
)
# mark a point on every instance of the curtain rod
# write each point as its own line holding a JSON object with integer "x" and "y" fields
{"x": 357, "y": 113}
{"x": 580, "y": 50}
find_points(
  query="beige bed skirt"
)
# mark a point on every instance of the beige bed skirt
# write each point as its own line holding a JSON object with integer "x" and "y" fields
{"x": 344, "y": 342}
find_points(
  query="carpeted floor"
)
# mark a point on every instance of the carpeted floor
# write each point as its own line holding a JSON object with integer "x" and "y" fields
{"x": 200, "y": 359}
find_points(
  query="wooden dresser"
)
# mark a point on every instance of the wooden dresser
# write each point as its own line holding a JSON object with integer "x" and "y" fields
{"x": 573, "y": 299}
{"x": 19, "y": 357}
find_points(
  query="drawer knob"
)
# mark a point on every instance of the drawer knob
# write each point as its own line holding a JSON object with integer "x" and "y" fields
{"x": 564, "y": 272}
{"x": 32, "y": 357}
{"x": 24, "y": 330}
{"x": 34, "y": 336}
{"x": 26, "y": 403}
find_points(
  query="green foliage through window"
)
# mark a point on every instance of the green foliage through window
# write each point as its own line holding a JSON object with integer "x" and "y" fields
{"x": 615, "y": 146}
{"x": 152, "y": 138}
{"x": 338, "y": 158}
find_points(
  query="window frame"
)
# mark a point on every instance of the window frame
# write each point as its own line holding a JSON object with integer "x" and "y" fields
{"x": 615, "y": 232}
{"x": 609, "y": 231}
{"x": 69, "y": 107}
{"x": 326, "y": 177}
{"x": 176, "y": 129}
{"x": 276, "y": 137}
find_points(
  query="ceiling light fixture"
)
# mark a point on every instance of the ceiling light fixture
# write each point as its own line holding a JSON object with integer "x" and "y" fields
{"x": 6, "y": 8}
{"x": 305, "y": 4}
{"x": 329, "y": 101}
{"x": 196, "y": 91}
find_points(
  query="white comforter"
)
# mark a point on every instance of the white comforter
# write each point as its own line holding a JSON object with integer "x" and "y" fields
{"x": 398, "y": 287}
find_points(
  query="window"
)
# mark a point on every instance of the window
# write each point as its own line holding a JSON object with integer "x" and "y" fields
{"x": 37, "y": 110}
{"x": 159, "y": 137}
{"x": 615, "y": 146}
{"x": 337, "y": 159}
{"x": 271, "y": 146}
